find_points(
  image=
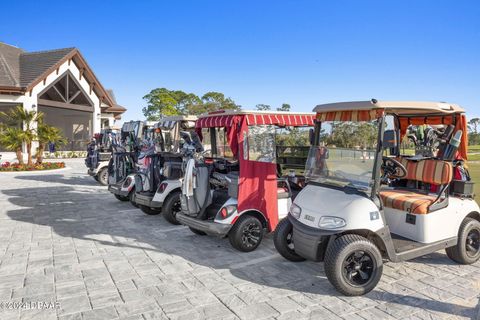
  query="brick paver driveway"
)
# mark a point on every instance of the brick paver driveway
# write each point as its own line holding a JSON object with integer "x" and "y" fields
{"x": 65, "y": 239}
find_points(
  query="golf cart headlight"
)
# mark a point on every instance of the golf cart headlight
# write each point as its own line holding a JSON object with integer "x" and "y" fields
{"x": 295, "y": 211}
{"x": 331, "y": 222}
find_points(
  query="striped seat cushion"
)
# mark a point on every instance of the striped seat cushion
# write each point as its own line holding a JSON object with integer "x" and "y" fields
{"x": 406, "y": 200}
{"x": 428, "y": 171}
{"x": 434, "y": 172}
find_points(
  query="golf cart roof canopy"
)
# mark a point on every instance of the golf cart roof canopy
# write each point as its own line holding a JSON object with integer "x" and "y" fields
{"x": 225, "y": 118}
{"x": 407, "y": 112}
{"x": 392, "y": 107}
{"x": 169, "y": 122}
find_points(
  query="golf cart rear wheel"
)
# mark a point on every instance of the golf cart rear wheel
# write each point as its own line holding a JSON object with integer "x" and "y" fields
{"x": 196, "y": 231}
{"x": 149, "y": 211}
{"x": 171, "y": 207}
{"x": 246, "y": 234}
{"x": 353, "y": 264}
{"x": 102, "y": 176}
{"x": 121, "y": 198}
{"x": 283, "y": 241}
{"x": 467, "y": 250}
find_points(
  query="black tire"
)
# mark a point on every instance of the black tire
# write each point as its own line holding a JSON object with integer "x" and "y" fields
{"x": 467, "y": 250}
{"x": 95, "y": 177}
{"x": 282, "y": 239}
{"x": 246, "y": 234}
{"x": 149, "y": 211}
{"x": 199, "y": 232}
{"x": 130, "y": 198}
{"x": 121, "y": 198}
{"x": 171, "y": 206}
{"x": 353, "y": 264}
{"x": 102, "y": 176}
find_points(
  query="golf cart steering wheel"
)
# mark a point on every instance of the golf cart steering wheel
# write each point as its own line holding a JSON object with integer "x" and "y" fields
{"x": 392, "y": 168}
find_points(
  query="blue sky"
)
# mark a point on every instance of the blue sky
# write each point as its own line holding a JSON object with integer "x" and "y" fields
{"x": 299, "y": 52}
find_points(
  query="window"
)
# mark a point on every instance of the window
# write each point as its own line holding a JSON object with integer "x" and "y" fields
{"x": 222, "y": 147}
{"x": 261, "y": 143}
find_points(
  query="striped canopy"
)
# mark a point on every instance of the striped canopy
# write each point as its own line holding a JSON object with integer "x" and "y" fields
{"x": 258, "y": 119}
{"x": 165, "y": 124}
{"x": 351, "y": 115}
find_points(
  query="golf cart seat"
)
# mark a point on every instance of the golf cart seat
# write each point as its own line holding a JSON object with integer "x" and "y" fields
{"x": 433, "y": 172}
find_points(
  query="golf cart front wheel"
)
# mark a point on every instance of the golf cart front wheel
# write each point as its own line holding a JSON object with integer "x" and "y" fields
{"x": 467, "y": 250}
{"x": 171, "y": 207}
{"x": 283, "y": 241}
{"x": 149, "y": 211}
{"x": 102, "y": 176}
{"x": 246, "y": 234}
{"x": 353, "y": 264}
{"x": 121, "y": 198}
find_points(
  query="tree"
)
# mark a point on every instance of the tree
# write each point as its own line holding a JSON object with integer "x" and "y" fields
{"x": 474, "y": 123}
{"x": 20, "y": 118}
{"x": 284, "y": 107}
{"x": 12, "y": 139}
{"x": 214, "y": 101}
{"x": 48, "y": 134}
{"x": 263, "y": 107}
{"x": 163, "y": 102}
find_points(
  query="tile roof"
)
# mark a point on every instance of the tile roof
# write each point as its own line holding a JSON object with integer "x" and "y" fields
{"x": 9, "y": 65}
{"x": 19, "y": 69}
{"x": 34, "y": 64}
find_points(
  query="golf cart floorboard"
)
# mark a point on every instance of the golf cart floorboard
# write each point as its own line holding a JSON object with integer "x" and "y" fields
{"x": 406, "y": 249}
{"x": 402, "y": 244}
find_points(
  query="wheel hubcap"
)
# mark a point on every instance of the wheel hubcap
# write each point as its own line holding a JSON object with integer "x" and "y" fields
{"x": 358, "y": 268}
{"x": 104, "y": 176}
{"x": 176, "y": 208}
{"x": 290, "y": 241}
{"x": 473, "y": 243}
{"x": 251, "y": 235}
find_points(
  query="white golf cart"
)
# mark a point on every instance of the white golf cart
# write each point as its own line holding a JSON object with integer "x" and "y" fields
{"x": 365, "y": 201}
{"x": 99, "y": 152}
{"x": 158, "y": 188}
{"x": 137, "y": 141}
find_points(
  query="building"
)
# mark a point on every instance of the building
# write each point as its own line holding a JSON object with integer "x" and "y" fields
{"x": 60, "y": 84}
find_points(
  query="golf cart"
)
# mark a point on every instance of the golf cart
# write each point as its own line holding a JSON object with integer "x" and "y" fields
{"x": 137, "y": 141}
{"x": 237, "y": 188}
{"x": 365, "y": 201}
{"x": 99, "y": 152}
{"x": 158, "y": 188}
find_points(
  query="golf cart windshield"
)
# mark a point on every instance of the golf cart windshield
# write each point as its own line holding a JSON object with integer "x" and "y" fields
{"x": 345, "y": 154}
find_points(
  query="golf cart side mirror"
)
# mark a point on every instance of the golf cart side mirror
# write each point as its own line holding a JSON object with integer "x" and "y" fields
{"x": 311, "y": 136}
{"x": 390, "y": 139}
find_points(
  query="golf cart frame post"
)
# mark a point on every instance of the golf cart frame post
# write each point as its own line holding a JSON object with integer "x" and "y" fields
{"x": 399, "y": 223}
{"x": 257, "y": 191}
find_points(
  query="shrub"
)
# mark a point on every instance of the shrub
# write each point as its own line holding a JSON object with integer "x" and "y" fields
{"x": 7, "y": 166}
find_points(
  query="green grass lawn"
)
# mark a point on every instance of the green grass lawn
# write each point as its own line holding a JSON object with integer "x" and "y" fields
{"x": 474, "y": 169}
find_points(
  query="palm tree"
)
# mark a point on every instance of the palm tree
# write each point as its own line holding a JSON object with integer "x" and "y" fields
{"x": 20, "y": 118}
{"x": 12, "y": 139}
{"x": 46, "y": 134}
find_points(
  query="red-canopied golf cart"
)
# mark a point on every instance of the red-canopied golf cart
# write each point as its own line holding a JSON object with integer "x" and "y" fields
{"x": 239, "y": 188}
